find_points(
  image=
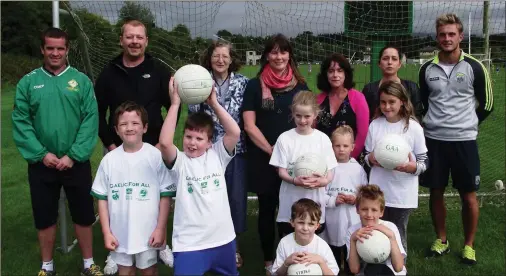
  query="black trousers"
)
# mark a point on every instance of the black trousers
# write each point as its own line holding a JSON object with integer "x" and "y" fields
{"x": 267, "y": 207}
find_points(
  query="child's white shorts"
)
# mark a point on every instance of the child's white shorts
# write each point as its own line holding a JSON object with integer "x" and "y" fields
{"x": 142, "y": 260}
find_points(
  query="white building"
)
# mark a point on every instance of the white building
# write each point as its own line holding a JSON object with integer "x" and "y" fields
{"x": 252, "y": 58}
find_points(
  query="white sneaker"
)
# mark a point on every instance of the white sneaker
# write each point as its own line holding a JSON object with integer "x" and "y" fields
{"x": 166, "y": 256}
{"x": 110, "y": 266}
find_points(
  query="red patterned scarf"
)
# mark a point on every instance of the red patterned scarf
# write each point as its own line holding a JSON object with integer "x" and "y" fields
{"x": 280, "y": 83}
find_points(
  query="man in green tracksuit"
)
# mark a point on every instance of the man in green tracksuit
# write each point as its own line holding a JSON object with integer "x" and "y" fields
{"x": 55, "y": 125}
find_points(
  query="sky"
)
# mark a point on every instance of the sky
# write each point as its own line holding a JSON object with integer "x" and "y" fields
{"x": 261, "y": 18}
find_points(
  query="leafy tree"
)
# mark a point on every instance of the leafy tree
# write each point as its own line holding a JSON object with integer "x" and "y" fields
{"x": 22, "y": 24}
{"x": 224, "y": 34}
{"x": 98, "y": 34}
{"x": 135, "y": 11}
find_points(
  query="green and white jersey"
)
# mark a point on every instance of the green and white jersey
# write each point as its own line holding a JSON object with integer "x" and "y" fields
{"x": 132, "y": 184}
{"x": 55, "y": 113}
{"x": 202, "y": 217}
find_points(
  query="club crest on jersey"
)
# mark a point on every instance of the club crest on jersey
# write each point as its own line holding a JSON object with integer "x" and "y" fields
{"x": 460, "y": 77}
{"x": 73, "y": 85}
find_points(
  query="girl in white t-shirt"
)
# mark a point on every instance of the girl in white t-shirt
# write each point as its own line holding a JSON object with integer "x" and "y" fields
{"x": 291, "y": 145}
{"x": 395, "y": 115}
{"x": 340, "y": 211}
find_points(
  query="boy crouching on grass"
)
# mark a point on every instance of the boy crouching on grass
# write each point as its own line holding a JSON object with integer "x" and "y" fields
{"x": 203, "y": 236}
{"x": 370, "y": 204}
{"x": 132, "y": 186}
{"x": 303, "y": 246}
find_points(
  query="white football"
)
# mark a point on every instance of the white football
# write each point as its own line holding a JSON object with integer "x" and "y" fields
{"x": 309, "y": 163}
{"x": 194, "y": 83}
{"x": 302, "y": 269}
{"x": 375, "y": 249}
{"x": 391, "y": 151}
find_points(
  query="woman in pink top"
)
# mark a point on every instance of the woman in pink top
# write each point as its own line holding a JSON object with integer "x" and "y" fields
{"x": 340, "y": 103}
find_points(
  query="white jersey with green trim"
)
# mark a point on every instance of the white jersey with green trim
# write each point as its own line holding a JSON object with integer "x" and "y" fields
{"x": 132, "y": 184}
{"x": 202, "y": 217}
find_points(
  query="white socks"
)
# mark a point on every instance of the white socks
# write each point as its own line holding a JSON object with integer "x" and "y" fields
{"x": 48, "y": 266}
{"x": 88, "y": 262}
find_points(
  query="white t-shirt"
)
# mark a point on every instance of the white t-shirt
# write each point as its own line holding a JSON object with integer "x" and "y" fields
{"x": 289, "y": 146}
{"x": 202, "y": 217}
{"x": 132, "y": 184}
{"x": 287, "y": 246}
{"x": 447, "y": 67}
{"x": 388, "y": 262}
{"x": 347, "y": 178}
{"x": 400, "y": 189}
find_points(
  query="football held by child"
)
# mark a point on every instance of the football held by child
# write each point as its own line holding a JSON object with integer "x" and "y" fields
{"x": 395, "y": 115}
{"x": 303, "y": 246}
{"x": 303, "y": 139}
{"x": 370, "y": 205}
{"x": 340, "y": 212}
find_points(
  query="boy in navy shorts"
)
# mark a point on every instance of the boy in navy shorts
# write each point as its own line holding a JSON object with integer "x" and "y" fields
{"x": 203, "y": 236}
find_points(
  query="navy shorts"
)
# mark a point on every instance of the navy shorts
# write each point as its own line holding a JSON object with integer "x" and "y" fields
{"x": 45, "y": 186}
{"x": 220, "y": 260}
{"x": 235, "y": 177}
{"x": 460, "y": 158}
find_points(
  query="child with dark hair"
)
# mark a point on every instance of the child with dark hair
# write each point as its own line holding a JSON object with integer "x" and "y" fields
{"x": 303, "y": 246}
{"x": 203, "y": 236}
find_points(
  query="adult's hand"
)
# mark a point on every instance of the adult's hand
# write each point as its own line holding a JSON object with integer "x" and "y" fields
{"x": 65, "y": 163}
{"x": 50, "y": 160}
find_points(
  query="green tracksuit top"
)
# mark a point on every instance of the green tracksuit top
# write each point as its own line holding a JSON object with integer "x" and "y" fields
{"x": 56, "y": 114}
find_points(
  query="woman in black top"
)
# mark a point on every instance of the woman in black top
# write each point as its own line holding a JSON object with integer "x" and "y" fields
{"x": 266, "y": 114}
{"x": 390, "y": 63}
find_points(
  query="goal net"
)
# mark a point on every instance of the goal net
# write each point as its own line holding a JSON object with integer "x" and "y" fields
{"x": 179, "y": 31}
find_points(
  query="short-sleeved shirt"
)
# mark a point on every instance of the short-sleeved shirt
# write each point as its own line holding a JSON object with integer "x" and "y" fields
{"x": 202, "y": 217}
{"x": 288, "y": 148}
{"x": 132, "y": 184}
{"x": 347, "y": 178}
{"x": 400, "y": 188}
{"x": 388, "y": 262}
{"x": 287, "y": 246}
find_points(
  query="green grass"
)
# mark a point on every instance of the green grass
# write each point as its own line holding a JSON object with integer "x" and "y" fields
{"x": 20, "y": 250}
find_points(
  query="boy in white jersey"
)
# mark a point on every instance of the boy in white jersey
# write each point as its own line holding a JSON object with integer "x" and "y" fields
{"x": 370, "y": 204}
{"x": 203, "y": 236}
{"x": 133, "y": 186}
{"x": 303, "y": 246}
{"x": 340, "y": 211}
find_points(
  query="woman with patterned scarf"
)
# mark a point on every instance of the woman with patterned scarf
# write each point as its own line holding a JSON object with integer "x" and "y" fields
{"x": 223, "y": 63}
{"x": 266, "y": 114}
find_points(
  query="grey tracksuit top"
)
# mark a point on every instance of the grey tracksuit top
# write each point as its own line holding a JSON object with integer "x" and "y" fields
{"x": 454, "y": 105}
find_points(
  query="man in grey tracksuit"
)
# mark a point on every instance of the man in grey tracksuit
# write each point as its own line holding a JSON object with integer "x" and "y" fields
{"x": 457, "y": 95}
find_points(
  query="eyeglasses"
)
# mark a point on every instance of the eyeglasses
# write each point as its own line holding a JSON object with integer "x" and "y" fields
{"x": 217, "y": 57}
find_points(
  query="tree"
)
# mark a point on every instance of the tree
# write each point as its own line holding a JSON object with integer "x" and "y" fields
{"x": 22, "y": 24}
{"x": 224, "y": 34}
{"x": 182, "y": 30}
{"x": 134, "y": 11}
{"x": 99, "y": 36}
